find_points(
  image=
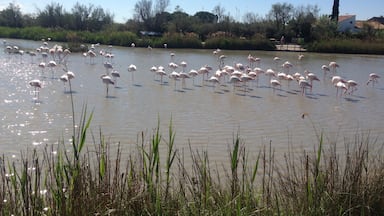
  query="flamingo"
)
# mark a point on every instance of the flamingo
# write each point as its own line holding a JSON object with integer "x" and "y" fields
{"x": 132, "y": 68}
{"x": 175, "y": 76}
{"x": 303, "y": 84}
{"x": 42, "y": 66}
{"x": 245, "y": 78}
{"x": 107, "y": 80}
{"x": 67, "y": 78}
{"x": 234, "y": 80}
{"x": 221, "y": 60}
{"x": 160, "y": 71}
{"x": 325, "y": 69}
{"x": 351, "y": 85}
{"x": 336, "y": 79}
{"x": 91, "y": 55}
{"x": 183, "y": 76}
{"x": 192, "y": 73}
{"x": 312, "y": 77}
{"x": 276, "y": 60}
{"x": 108, "y": 66}
{"x": 115, "y": 74}
{"x": 287, "y": 66}
{"x": 183, "y": 65}
{"x": 37, "y": 84}
{"x": 341, "y": 85}
{"x": 203, "y": 70}
{"x": 52, "y": 64}
{"x": 333, "y": 65}
{"x": 373, "y": 77}
{"x": 270, "y": 73}
{"x": 215, "y": 80}
{"x": 275, "y": 83}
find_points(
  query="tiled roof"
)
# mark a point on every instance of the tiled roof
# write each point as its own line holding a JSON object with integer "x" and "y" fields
{"x": 344, "y": 17}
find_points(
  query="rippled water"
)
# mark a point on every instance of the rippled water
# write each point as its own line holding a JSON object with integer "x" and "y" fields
{"x": 205, "y": 116}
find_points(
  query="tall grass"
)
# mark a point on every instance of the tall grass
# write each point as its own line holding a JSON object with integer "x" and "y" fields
{"x": 88, "y": 178}
{"x": 348, "y": 46}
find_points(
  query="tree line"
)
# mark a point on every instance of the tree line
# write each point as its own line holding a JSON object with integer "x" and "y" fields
{"x": 295, "y": 23}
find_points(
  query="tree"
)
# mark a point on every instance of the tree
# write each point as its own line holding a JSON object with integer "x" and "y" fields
{"x": 205, "y": 17}
{"x": 143, "y": 12}
{"x": 219, "y": 12}
{"x": 81, "y": 14}
{"x": 324, "y": 28}
{"x": 161, "y": 6}
{"x": 281, "y": 14}
{"x": 11, "y": 16}
{"x": 302, "y": 21}
{"x": 52, "y": 16}
{"x": 335, "y": 11}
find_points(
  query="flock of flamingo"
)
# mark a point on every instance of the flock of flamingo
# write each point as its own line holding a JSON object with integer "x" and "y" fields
{"x": 238, "y": 74}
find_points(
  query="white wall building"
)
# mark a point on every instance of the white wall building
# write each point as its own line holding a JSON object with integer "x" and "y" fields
{"x": 347, "y": 23}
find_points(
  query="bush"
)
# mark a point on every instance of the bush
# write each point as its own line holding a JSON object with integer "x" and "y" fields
{"x": 238, "y": 44}
{"x": 348, "y": 46}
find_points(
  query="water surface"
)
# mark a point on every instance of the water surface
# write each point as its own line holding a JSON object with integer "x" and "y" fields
{"x": 202, "y": 114}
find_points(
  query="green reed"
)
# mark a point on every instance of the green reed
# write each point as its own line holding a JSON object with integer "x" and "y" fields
{"x": 153, "y": 179}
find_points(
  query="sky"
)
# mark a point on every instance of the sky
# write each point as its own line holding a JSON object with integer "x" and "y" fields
{"x": 124, "y": 9}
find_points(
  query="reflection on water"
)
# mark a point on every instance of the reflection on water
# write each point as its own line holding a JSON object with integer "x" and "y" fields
{"x": 204, "y": 114}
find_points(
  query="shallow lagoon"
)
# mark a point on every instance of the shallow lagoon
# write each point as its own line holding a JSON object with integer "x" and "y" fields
{"x": 203, "y": 115}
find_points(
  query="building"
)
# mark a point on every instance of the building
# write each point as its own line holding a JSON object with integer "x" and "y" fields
{"x": 347, "y": 23}
{"x": 376, "y": 23}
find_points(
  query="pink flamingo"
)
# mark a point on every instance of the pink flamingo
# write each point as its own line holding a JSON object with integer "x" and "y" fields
{"x": 373, "y": 77}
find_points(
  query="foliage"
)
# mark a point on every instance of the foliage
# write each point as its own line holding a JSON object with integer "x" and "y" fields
{"x": 238, "y": 44}
{"x": 155, "y": 180}
{"x": 301, "y": 23}
{"x": 349, "y": 46}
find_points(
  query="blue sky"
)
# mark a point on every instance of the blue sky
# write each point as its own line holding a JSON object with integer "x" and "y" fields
{"x": 123, "y": 9}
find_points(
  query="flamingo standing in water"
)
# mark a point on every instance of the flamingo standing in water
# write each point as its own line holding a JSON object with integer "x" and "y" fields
{"x": 107, "y": 80}
{"x": 351, "y": 85}
{"x": 192, "y": 73}
{"x": 311, "y": 77}
{"x": 333, "y": 65}
{"x": 108, "y": 66}
{"x": 160, "y": 71}
{"x": 215, "y": 80}
{"x": 132, "y": 68}
{"x": 115, "y": 74}
{"x": 325, "y": 69}
{"x": 342, "y": 86}
{"x": 303, "y": 84}
{"x": 270, "y": 73}
{"x": 52, "y": 64}
{"x": 67, "y": 78}
{"x": 373, "y": 77}
{"x": 275, "y": 83}
{"x": 37, "y": 85}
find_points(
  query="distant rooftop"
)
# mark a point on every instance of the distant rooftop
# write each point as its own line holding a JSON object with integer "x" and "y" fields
{"x": 344, "y": 17}
{"x": 377, "y": 19}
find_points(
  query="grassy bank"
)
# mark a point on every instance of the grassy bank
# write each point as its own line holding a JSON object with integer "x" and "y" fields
{"x": 88, "y": 178}
{"x": 348, "y": 46}
{"x": 73, "y": 40}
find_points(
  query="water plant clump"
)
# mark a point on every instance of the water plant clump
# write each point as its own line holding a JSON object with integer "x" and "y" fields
{"x": 154, "y": 179}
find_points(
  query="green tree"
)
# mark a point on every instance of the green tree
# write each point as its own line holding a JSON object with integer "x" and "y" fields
{"x": 11, "y": 16}
{"x": 52, "y": 16}
{"x": 280, "y": 14}
{"x": 143, "y": 12}
{"x": 205, "y": 17}
{"x": 324, "y": 29}
{"x": 302, "y": 21}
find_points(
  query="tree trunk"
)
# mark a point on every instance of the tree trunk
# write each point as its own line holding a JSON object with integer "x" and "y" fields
{"x": 335, "y": 11}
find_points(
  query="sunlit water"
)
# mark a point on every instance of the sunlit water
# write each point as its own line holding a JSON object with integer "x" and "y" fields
{"x": 203, "y": 115}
